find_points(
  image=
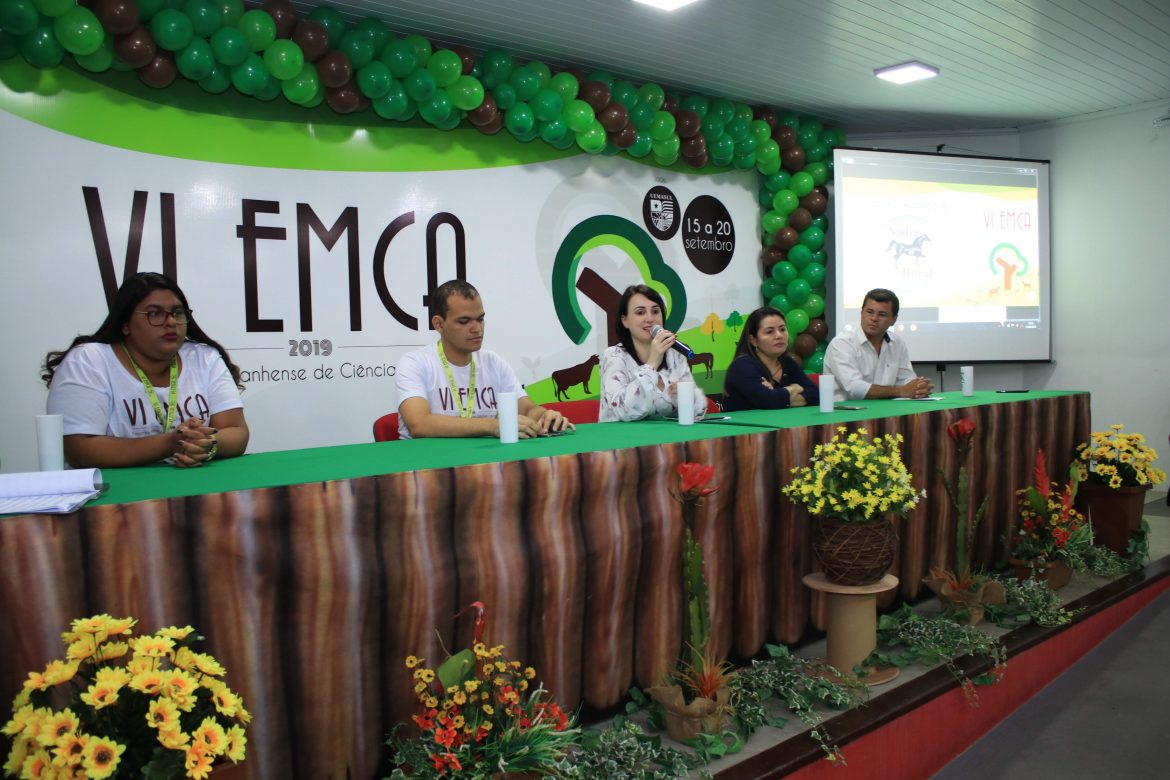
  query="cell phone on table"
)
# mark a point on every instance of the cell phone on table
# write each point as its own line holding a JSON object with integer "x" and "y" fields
{"x": 849, "y": 407}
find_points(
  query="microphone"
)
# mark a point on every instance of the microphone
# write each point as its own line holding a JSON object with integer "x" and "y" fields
{"x": 677, "y": 345}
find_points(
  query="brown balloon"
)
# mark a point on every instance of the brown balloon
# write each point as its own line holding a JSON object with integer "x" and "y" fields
{"x": 815, "y": 202}
{"x": 344, "y": 99}
{"x": 670, "y": 104}
{"x": 770, "y": 255}
{"x": 687, "y": 124}
{"x": 624, "y": 138}
{"x": 796, "y": 359}
{"x": 494, "y": 126}
{"x": 695, "y": 146}
{"x": 467, "y": 57}
{"x": 784, "y": 136}
{"x": 578, "y": 74}
{"x": 697, "y": 162}
{"x": 595, "y": 93}
{"x": 766, "y": 113}
{"x": 285, "y": 16}
{"x": 792, "y": 158}
{"x": 817, "y": 328}
{"x": 800, "y": 219}
{"x": 805, "y": 345}
{"x": 334, "y": 70}
{"x": 159, "y": 72}
{"x": 785, "y": 239}
{"x": 613, "y": 117}
{"x": 118, "y": 17}
{"x": 312, "y": 38}
{"x": 822, "y": 189}
{"x": 136, "y": 48}
{"x": 485, "y": 112}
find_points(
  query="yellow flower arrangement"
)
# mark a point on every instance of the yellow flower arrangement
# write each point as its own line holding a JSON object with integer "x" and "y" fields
{"x": 137, "y": 706}
{"x": 1118, "y": 459}
{"x": 854, "y": 478}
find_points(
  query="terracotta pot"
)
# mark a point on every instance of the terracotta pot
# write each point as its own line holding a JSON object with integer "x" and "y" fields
{"x": 983, "y": 591}
{"x": 1114, "y": 513}
{"x": 1056, "y": 574}
{"x": 854, "y": 553}
{"x": 687, "y": 721}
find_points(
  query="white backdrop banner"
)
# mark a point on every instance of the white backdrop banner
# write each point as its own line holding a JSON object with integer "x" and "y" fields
{"x": 316, "y": 281}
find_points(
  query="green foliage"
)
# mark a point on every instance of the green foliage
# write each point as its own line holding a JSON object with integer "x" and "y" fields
{"x": 1030, "y": 601}
{"x": 696, "y": 610}
{"x": 624, "y": 750}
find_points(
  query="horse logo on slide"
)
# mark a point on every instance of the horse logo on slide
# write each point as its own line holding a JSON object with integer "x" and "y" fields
{"x": 911, "y": 249}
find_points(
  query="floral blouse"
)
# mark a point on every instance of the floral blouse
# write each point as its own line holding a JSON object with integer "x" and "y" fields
{"x": 629, "y": 389}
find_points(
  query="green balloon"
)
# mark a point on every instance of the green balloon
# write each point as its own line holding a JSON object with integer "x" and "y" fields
{"x": 172, "y": 30}
{"x": 284, "y": 59}
{"x": 329, "y": 18}
{"x": 814, "y": 306}
{"x": 665, "y": 162}
{"x": 641, "y": 146}
{"x": 579, "y": 116}
{"x": 800, "y": 256}
{"x": 317, "y": 99}
{"x": 605, "y": 77}
{"x": 833, "y": 137}
{"x": 519, "y": 119}
{"x": 525, "y": 81}
{"x": 814, "y": 363}
{"x": 807, "y": 133}
{"x": 568, "y": 141}
{"x": 820, "y": 221}
{"x": 547, "y": 105}
{"x": 229, "y": 46}
{"x": 400, "y": 57}
{"x": 205, "y": 17}
{"x": 768, "y": 150}
{"x": 374, "y": 80}
{"x": 652, "y": 95}
{"x": 80, "y": 32}
{"x": 668, "y": 147}
{"x": 722, "y": 148}
{"x": 148, "y": 8}
{"x": 270, "y": 91}
{"x": 662, "y": 127}
{"x": 232, "y": 10}
{"x": 466, "y": 93}
{"x": 784, "y": 272}
{"x": 796, "y": 319}
{"x": 772, "y": 221}
{"x": 542, "y": 71}
{"x": 785, "y": 201}
{"x": 723, "y": 109}
{"x": 760, "y": 130}
{"x": 505, "y": 96}
{"x": 743, "y": 111}
{"x": 593, "y": 138}
{"x": 770, "y": 288}
{"x": 814, "y": 274}
{"x": 18, "y": 17}
{"x": 250, "y": 76}
{"x": 196, "y": 61}
{"x": 819, "y": 172}
{"x": 738, "y": 129}
{"x": 436, "y": 110}
{"x": 565, "y": 84}
{"x": 624, "y": 93}
{"x": 259, "y": 30}
{"x": 700, "y": 104}
{"x": 780, "y": 301}
{"x": 420, "y": 85}
{"x": 98, "y": 61}
{"x": 819, "y": 256}
{"x": 218, "y": 81}
{"x": 744, "y": 161}
{"x": 798, "y": 291}
{"x": 813, "y": 237}
{"x": 41, "y": 47}
{"x": 54, "y": 8}
{"x": 802, "y": 184}
{"x": 393, "y": 103}
{"x": 375, "y": 31}
{"x": 497, "y": 64}
{"x": 357, "y": 48}
{"x": 451, "y": 122}
{"x": 777, "y": 181}
{"x": 445, "y": 66}
{"x": 302, "y": 88}
{"x": 422, "y": 48}
{"x": 641, "y": 116}
{"x": 554, "y": 130}
{"x": 767, "y": 167}
{"x": 815, "y": 152}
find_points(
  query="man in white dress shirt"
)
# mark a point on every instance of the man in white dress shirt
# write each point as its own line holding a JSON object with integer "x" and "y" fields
{"x": 873, "y": 361}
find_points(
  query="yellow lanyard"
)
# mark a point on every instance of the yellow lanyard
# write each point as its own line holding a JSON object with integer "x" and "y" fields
{"x": 470, "y": 410}
{"x": 172, "y": 399}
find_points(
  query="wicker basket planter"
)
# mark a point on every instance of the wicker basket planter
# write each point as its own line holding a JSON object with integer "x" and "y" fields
{"x": 854, "y": 553}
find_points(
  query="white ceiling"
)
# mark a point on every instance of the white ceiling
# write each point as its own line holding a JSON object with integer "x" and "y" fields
{"x": 1004, "y": 63}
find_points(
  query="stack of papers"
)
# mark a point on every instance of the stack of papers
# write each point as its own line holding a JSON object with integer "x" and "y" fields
{"x": 55, "y": 492}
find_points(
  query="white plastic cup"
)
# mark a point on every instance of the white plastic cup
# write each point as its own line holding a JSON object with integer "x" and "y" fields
{"x": 967, "y": 380}
{"x": 826, "y": 390}
{"x": 50, "y": 442}
{"x": 686, "y": 402}
{"x": 507, "y": 410}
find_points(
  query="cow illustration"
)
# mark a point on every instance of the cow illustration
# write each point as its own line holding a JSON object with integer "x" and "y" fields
{"x": 912, "y": 249}
{"x": 705, "y": 359}
{"x": 579, "y": 374}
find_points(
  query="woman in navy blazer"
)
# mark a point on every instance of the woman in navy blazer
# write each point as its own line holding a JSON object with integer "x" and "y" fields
{"x": 762, "y": 375}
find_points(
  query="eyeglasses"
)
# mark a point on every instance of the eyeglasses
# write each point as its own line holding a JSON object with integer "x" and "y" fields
{"x": 158, "y": 317}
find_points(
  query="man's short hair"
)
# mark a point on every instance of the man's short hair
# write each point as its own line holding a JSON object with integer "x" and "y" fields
{"x": 882, "y": 295}
{"x": 445, "y": 290}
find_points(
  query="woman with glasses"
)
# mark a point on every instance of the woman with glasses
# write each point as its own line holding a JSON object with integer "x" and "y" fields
{"x": 149, "y": 385}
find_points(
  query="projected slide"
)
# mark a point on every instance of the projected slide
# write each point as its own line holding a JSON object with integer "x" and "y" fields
{"x": 962, "y": 241}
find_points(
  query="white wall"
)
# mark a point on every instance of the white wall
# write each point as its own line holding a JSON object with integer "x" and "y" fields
{"x": 1110, "y": 183}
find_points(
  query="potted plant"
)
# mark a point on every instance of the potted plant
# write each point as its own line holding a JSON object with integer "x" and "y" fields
{"x": 1051, "y": 530}
{"x": 961, "y": 592}
{"x": 147, "y": 706}
{"x": 695, "y": 699}
{"x": 1116, "y": 469}
{"x": 851, "y": 487}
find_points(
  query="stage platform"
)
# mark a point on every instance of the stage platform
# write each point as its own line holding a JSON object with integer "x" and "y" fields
{"x": 916, "y": 725}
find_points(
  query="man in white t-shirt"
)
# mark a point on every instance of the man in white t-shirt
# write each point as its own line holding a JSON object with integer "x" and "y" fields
{"x": 873, "y": 362}
{"x": 449, "y": 389}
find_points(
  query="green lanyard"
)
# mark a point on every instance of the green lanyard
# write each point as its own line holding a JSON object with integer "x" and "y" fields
{"x": 470, "y": 410}
{"x": 172, "y": 399}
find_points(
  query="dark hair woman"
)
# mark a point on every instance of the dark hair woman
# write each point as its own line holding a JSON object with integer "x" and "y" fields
{"x": 640, "y": 374}
{"x": 762, "y": 375}
{"x": 148, "y": 385}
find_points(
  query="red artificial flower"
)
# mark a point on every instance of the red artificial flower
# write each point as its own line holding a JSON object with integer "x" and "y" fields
{"x": 1040, "y": 475}
{"x": 480, "y": 618}
{"x": 958, "y": 431}
{"x": 694, "y": 477}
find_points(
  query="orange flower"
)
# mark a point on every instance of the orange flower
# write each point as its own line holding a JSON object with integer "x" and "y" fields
{"x": 694, "y": 477}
